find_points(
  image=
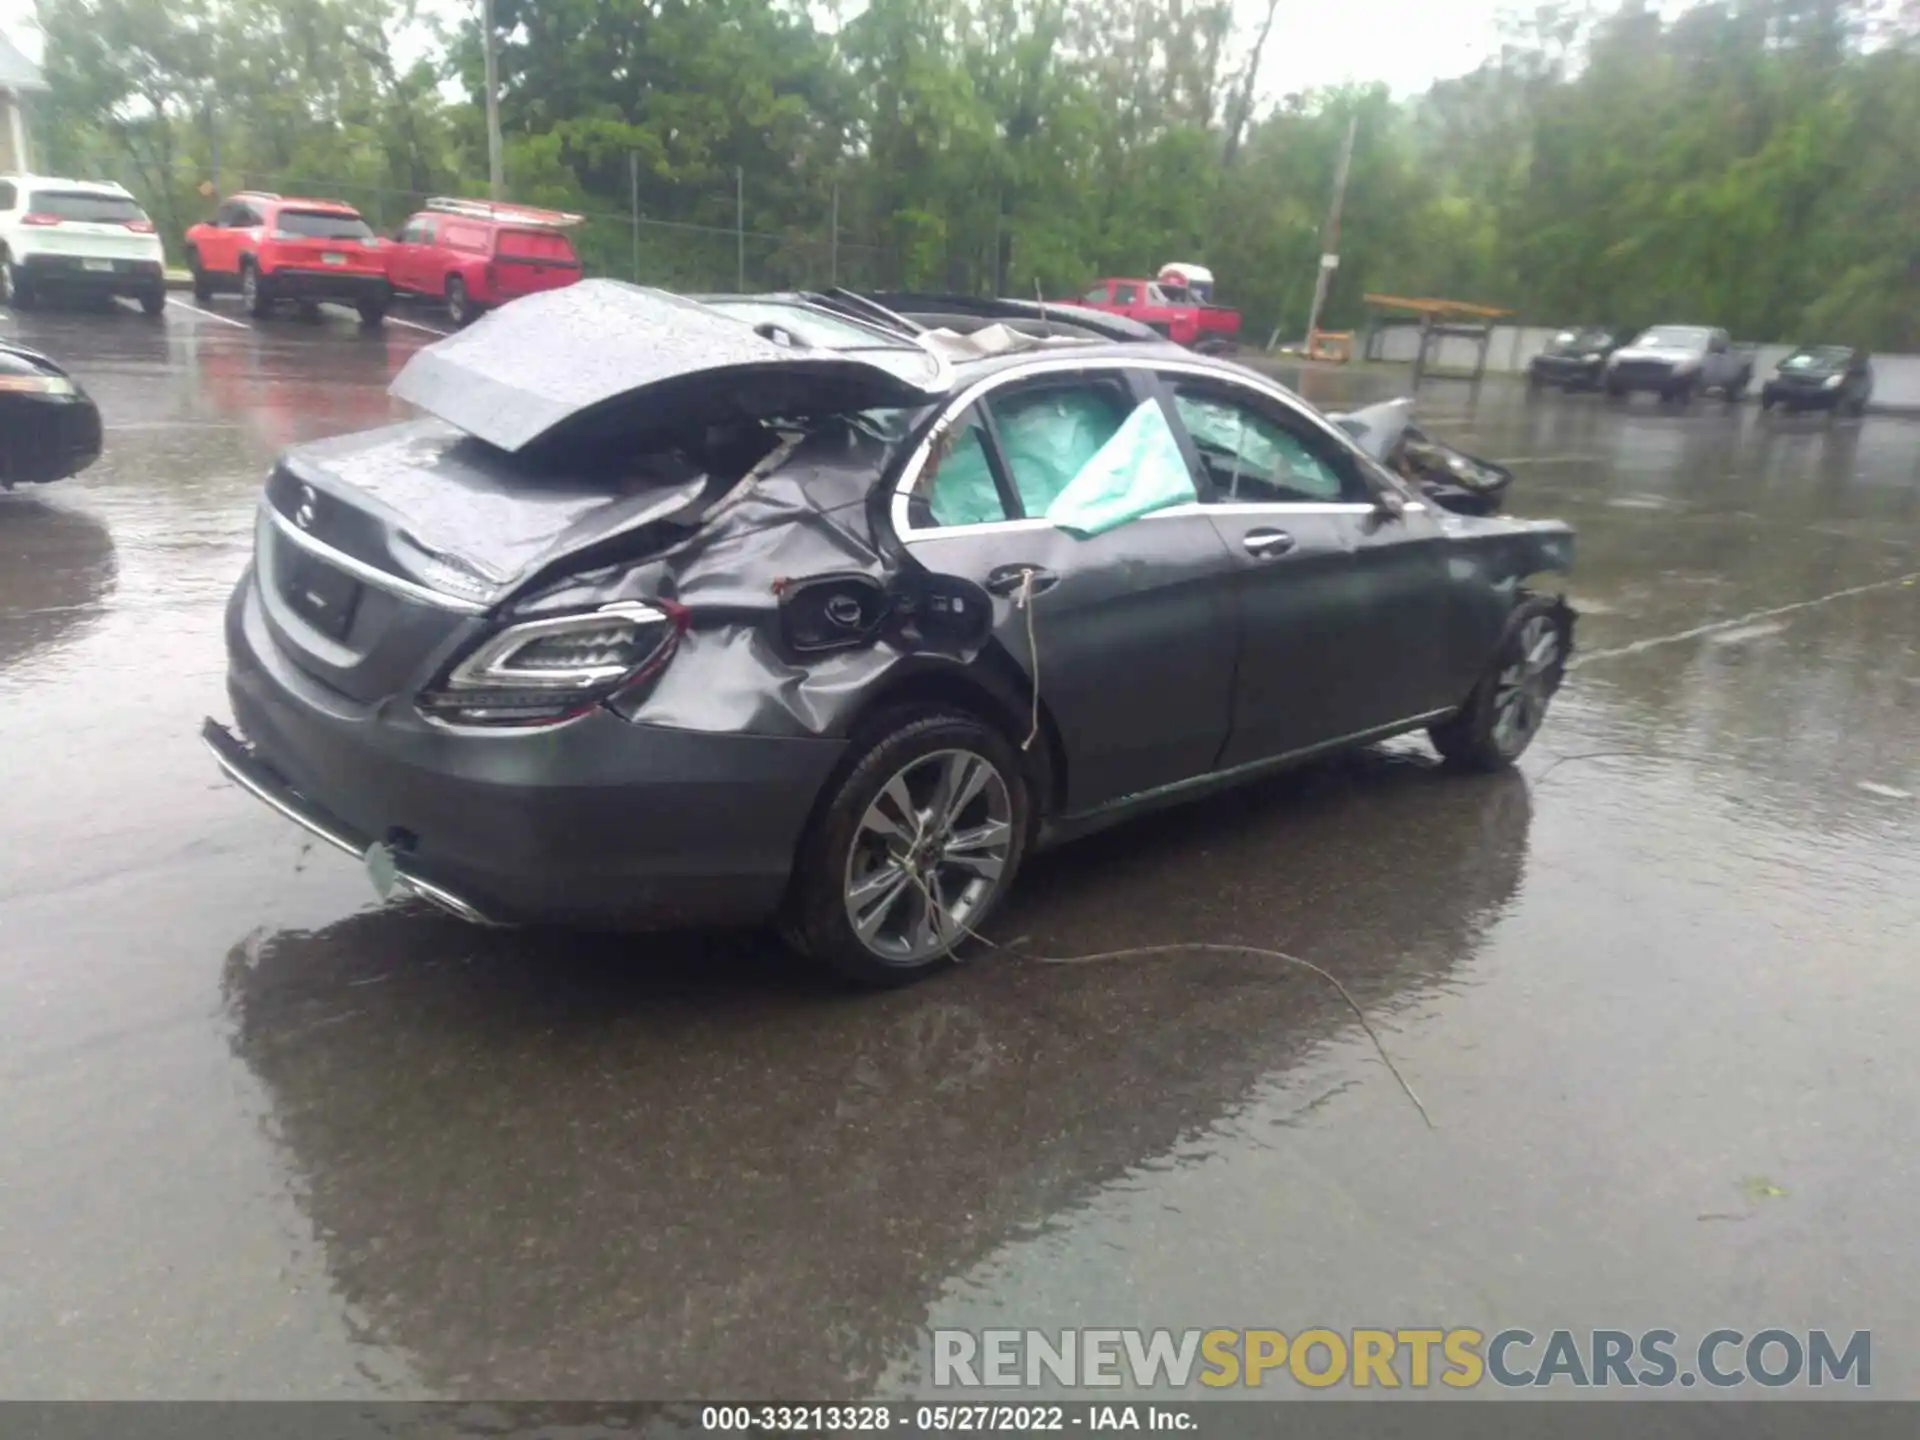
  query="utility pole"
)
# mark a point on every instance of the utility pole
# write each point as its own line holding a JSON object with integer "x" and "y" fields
{"x": 496, "y": 165}
{"x": 1330, "y": 242}
{"x": 740, "y": 230}
{"x": 833, "y": 240}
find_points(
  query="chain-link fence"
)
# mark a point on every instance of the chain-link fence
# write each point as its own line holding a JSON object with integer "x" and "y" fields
{"x": 667, "y": 253}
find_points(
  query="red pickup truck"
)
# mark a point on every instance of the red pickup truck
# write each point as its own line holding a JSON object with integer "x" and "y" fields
{"x": 1170, "y": 309}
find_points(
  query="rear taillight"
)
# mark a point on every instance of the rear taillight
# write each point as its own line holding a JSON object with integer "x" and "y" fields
{"x": 542, "y": 671}
{"x": 39, "y": 217}
{"x": 140, "y": 227}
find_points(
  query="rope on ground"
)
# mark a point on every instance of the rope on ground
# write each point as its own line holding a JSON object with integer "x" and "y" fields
{"x": 941, "y": 920}
{"x": 1560, "y": 760}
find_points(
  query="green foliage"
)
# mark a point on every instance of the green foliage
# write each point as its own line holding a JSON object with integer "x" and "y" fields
{"x": 1750, "y": 163}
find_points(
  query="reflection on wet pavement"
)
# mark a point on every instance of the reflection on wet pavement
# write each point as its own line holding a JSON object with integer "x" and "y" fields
{"x": 268, "y": 1137}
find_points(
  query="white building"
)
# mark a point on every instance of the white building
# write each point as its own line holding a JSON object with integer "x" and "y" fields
{"x": 19, "y": 78}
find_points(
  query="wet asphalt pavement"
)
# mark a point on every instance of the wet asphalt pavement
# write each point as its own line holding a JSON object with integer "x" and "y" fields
{"x": 264, "y": 1136}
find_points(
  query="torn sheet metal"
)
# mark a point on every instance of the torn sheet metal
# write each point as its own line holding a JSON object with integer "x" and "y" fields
{"x": 762, "y": 570}
{"x": 608, "y": 358}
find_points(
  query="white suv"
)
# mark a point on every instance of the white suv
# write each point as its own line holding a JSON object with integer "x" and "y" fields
{"x": 76, "y": 235}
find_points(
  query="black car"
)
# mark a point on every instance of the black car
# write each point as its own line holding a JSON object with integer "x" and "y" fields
{"x": 1837, "y": 378}
{"x": 49, "y": 426}
{"x": 1573, "y": 359}
{"x": 791, "y": 607}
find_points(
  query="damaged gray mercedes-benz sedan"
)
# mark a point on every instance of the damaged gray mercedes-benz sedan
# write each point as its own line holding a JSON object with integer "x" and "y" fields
{"x": 794, "y": 608}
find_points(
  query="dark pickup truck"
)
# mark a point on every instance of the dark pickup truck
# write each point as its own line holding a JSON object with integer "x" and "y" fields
{"x": 1677, "y": 362}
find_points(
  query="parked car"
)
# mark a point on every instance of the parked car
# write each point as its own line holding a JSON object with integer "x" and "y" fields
{"x": 473, "y": 255}
{"x": 77, "y": 237}
{"x": 49, "y": 425}
{"x": 1174, "y": 314}
{"x": 1837, "y": 378}
{"x": 679, "y": 611}
{"x": 272, "y": 248}
{"x": 1574, "y": 359}
{"x": 1677, "y": 362}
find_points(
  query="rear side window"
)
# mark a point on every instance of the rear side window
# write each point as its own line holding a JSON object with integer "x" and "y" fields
{"x": 959, "y": 488}
{"x": 81, "y": 206}
{"x": 464, "y": 237}
{"x": 1047, "y": 435}
{"x": 320, "y": 225}
{"x": 8, "y": 193}
{"x": 533, "y": 245}
{"x": 1125, "y": 294}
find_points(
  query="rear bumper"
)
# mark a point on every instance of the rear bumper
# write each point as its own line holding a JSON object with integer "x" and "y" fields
{"x": 1642, "y": 376}
{"x": 599, "y": 822}
{"x": 1559, "y": 370}
{"x": 126, "y": 277}
{"x": 351, "y": 286}
{"x": 1793, "y": 397}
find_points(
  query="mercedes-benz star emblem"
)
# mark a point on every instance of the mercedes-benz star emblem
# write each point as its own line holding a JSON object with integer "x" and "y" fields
{"x": 303, "y": 517}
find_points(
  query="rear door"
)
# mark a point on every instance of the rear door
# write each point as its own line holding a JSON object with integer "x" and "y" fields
{"x": 1130, "y": 634}
{"x": 530, "y": 259}
{"x": 1342, "y": 607}
{"x": 219, "y": 242}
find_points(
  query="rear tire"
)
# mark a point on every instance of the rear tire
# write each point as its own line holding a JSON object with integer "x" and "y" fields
{"x": 1503, "y": 714}
{"x": 373, "y": 313}
{"x": 154, "y": 301}
{"x": 254, "y": 292}
{"x": 461, "y": 309}
{"x": 15, "y": 291}
{"x": 888, "y": 819}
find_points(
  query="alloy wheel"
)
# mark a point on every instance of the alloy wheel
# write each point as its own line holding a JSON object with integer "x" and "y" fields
{"x": 1520, "y": 695}
{"x": 928, "y": 856}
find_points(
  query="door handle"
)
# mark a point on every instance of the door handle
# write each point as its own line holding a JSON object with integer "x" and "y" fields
{"x": 1010, "y": 579}
{"x": 1265, "y": 544}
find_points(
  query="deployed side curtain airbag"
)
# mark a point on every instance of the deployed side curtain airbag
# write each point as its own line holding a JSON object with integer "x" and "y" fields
{"x": 1139, "y": 470}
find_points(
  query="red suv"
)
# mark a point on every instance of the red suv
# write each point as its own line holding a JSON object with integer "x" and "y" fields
{"x": 272, "y": 248}
{"x": 473, "y": 254}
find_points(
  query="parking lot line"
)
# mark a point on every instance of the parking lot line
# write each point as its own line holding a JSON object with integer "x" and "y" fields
{"x": 223, "y": 319}
{"x": 416, "y": 325}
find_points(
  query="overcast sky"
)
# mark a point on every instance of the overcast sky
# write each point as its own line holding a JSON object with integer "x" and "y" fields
{"x": 1407, "y": 43}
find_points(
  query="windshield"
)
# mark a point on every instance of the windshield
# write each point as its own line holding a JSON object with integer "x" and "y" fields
{"x": 1817, "y": 357}
{"x": 86, "y": 207}
{"x": 1589, "y": 339}
{"x": 321, "y": 225}
{"x": 1673, "y": 337}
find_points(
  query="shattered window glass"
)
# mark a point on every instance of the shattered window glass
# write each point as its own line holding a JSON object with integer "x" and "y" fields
{"x": 1251, "y": 458}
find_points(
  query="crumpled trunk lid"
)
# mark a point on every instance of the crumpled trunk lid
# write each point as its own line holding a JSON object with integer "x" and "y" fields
{"x": 372, "y": 551}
